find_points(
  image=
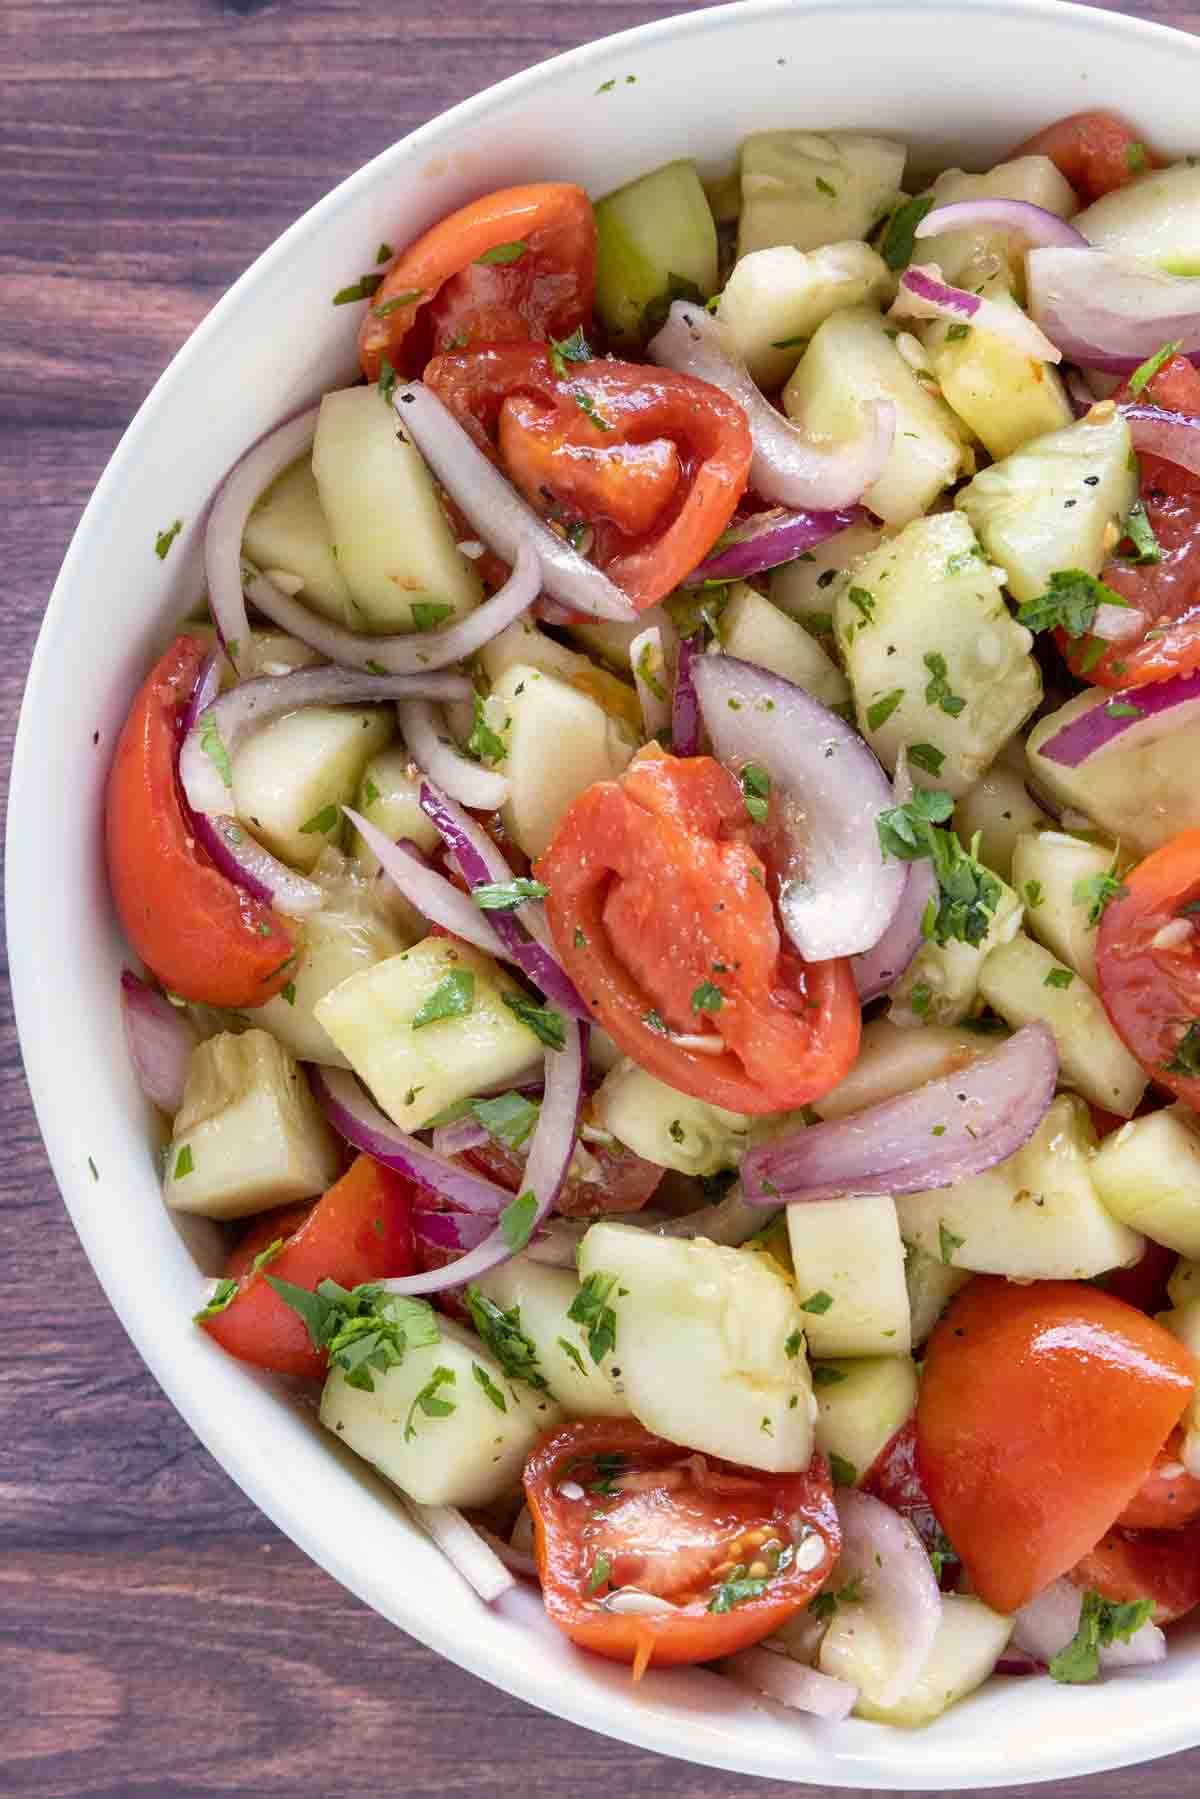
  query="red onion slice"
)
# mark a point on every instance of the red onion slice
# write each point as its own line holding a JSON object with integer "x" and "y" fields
{"x": 436, "y": 898}
{"x": 361, "y": 1123}
{"x": 407, "y": 653}
{"x": 884, "y": 1552}
{"x": 925, "y": 295}
{"x": 161, "y": 1038}
{"x": 1125, "y": 718}
{"x": 877, "y": 969}
{"x": 685, "y": 707}
{"x": 460, "y": 1543}
{"x": 827, "y": 791}
{"x": 788, "y": 465}
{"x": 792, "y": 1684}
{"x": 1033, "y": 225}
{"x": 455, "y": 1231}
{"x": 984, "y": 1113}
{"x": 208, "y": 686}
{"x": 431, "y": 747}
{"x": 1107, "y": 312}
{"x": 769, "y": 539}
{"x": 249, "y": 477}
{"x": 1048, "y": 1623}
{"x": 1172, "y": 435}
{"x": 457, "y": 1138}
{"x": 518, "y": 1560}
{"x": 243, "y": 860}
{"x": 498, "y": 513}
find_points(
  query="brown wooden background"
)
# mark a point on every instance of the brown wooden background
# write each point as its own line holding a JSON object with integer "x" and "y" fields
{"x": 158, "y": 1636}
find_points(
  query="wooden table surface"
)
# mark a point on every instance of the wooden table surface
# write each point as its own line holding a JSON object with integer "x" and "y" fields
{"x": 157, "y": 1635}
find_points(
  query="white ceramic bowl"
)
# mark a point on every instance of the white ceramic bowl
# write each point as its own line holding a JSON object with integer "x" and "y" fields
{"x": 960, "y": 83}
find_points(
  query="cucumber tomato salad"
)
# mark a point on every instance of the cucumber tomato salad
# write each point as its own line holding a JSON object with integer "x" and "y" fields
{"x": 667, "y": 871}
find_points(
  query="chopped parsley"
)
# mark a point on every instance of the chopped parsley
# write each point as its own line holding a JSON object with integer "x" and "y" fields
{"x": 968, "y": 893}
{"x": 267, "y": 1256}
{"x": 509, "y": 1117}
{"x": 289, "y": 993}
{"x": 957, "y": 331}
{"x": 1098, "y": 891}
{"x": 789, "y": 343}
{"x": 324, "y": 820}
{"x": 1071, "y": 602}
{"x": 899, "y": 236}
{"x": 453, "y": 997}
{"x": 484, "y": 1380}
{"x": 386, "y": 383}
{"x": 926, "y": 756}
{"x": 1140, "y": 533}
{"x": 484, "y": 743}
{"x": 817, "y": 1302}
{"x": 1136, "y": 158}
{"x": 825, "y": 187}
{"x": 1122, "y": 709}
{"x": 756, "y": 791}
{"x": 793, "y": 1345}
{"x": 1101, "y": 1622}
{"x": 363, "y": 1328}
{"x": 591, "y": 1309}
{"x": 648, "y": 672}
{"x": 213, "y": 746}
{"x": 502, "y": 254}
{"x": 572, "y": 1354}
{"x": 500, "y": 1332}
{"x": 164, "y": 540}
{"x": 503, "y": 896}
{"x": 844, "y": 1473}
{"x": 601, "y": 1573}
{"x": 948, "y": 1242}
{"x": 1144, "y": 374}
{"x": 1186, "y": 1056}
{"x": 863, "y": 602}
{"x": 654, "y": 1021}
{"x": 881, "y": 710}
{"x": 427, "y": 615}
{"x": 546, "y": 1024}
{"x": 920, "y": 1000}
{"x": 824, "y": 1374}
{"x": 939, "y": 692}
{"x": 736, "y": 1590}
{"x": 184, "y": 1163}
{"x": 655, "y": 312}
{"x": 826, "y": 1603}
{"x": 517, "y": 1220}
{"x": 707, "y": 997}
{"x": 590, "y": 410}
{"x": 1059, "y": 977}
{"x": 384, "y": 253}
{"x": 580, "y": 939}
{"x": 428, "y": 1402}
{"x": 362, "y": 289}
{"x": 962, "y": 559}
{"x": 224, "y": 1294}
{"x": 1034, "y": 893}
{"x": 568, "y": 349}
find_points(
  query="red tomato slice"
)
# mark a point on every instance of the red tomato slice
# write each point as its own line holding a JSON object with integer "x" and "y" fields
{"x": 652, "y": 461}
{"x": 893, "y": 1477}
{"x": 1041, "y": 1411}
{"x": 360, "y": 1230}
{"x": 624, "y": 1184}
{"x": 203, "y": 937}
{"x": 1095, "y": 151}
{"x": 682, "y": 1527}
{"x": 1168, "y": 1497}
{"x": 662, "y": 917}
{"x": 445, "y": 291}
{"x": 1152, "y": 992}
{"x": 1162, "y": 1565}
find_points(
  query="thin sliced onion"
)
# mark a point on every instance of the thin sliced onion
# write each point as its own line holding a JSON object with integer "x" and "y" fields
{"x": 243, "y": 860}
{"x": 769, "y": 539}
{"x": 461, "y": 1544}
{"x": 879, "y": 968}
{"x": 407, "y": 653}
{"x": 1044, "y": 1627}
{"x": 430, "y": 745}
{"x": 730, "y": 1221}
{"x": 827, "y": 791}
{"x": 519, "y": 1561}
{"x": 884, "y": 1552}
{"x": 1174, "y": 436}
{"x": 1125, "y": 718}
{"x": 790, "y": 1683}
{"x": 249, "y": 477}
{"x": 984, "y": 1113}
{"x": 648, "y": 659}
{"x": 453, "y": 1231}
{"x": 685, "y": 707}
{"x": 457, "y": 1138}
{"x": 1108, "y": 312}
{"x": 925, "y": 294}
{"x": 208, "y": 686}
{"x": 498, "y": 513}
{"x": 161, "y": 1038}
{"x": 788, "y": 465}
{"x": 436, "y": 898}
{"x": 1034, "y": 226}
{"x": 361, "y": 1123}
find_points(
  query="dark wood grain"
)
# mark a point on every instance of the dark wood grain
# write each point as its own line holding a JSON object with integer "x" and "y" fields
{"x": 157, "y": 1635}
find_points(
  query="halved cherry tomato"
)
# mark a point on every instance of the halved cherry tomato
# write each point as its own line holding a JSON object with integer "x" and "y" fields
{"x": 623, "y": 1182}
{"x": 360, "y": 1230}
{"x": 724, "y": 1545}
{"x": 1162, "y": 1565}
{"x": 1145, "y": 1284}
{"x": 659, "y": 910}
{"x": 653, "y": 461}
{"x": 1041, "y": 1411}
{"x": 203, "y": 937}
{"x": 1151, "y": 990}
{"x": 1166, "y": 593}
{"x": 1168, "y": 1497}
{"x": 893, "y": 1477}
{"x": 1095, "y": 151}
{"x": 516, "y": 264}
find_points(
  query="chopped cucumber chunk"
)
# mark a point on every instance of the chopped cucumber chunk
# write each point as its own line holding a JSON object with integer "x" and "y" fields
{"x": 942, "y": 983}
{"x": 932, "y": 1284}
{"x": 1155, "y": 219}
{"x": 542, "y": 1296}
{"x": 1141, "y": 797}
{"x": 893, "y": 1060}
{"x": 292, "y": 778}
{"x": 1148, "y": 1175}
{"x": 849, "y": 1263}
{"x": 861, "y": 1404}
{"x": 288, "y": 531}
{"x": 998, "y": 809}
{"x": 757, "y": 631}
{"x": 970, "y": 1641}
{"x": 1048, "y": 867}
{"x": 533, "y": 710}
{"x": 774, "y": 300}
{"x": 1004, "y": 396}
{"x": 523, "y": 645}
{"x": 807, "y": 189}
{"x": 656, "y": 241}
{"x": 962, "y": 255}
{"x": 806, "y": 589}
{"x": 667, "y": 1127}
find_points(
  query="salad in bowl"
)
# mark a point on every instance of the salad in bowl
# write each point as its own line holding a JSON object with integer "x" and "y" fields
{"x": 661, "y": 879}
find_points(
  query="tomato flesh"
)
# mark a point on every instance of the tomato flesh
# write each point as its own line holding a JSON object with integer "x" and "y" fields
{"x": 1151, "y": 989}
{"x": 1162, "y": 1565}
{"x": 1095, "y": 151}
{"x": 613, "y": 1507}
{"x": 1168, "y": 1497}
{"x": 894, "y": 1477}
{"x": 624, "y": 1182}
{"x": 1041, "y": 1411}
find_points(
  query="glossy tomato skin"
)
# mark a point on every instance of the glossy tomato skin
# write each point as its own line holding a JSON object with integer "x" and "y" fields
{"x": 653, "y": 462}
{"x": 1041, "y": 1410}
{"x": 1151, "y": 991}
{"x": 1162, "y": 1565}
{"x": 359, "y": 1230}
{"x": 440, "y": 295}
{"x": 1095, "y": 151}
{"x": 673, "y": 1524}
{"x": 1168, "y": 1497}
{"x": 654, "y": 895}
{"x": 204, "y": 938}
{"x": 895, "y": 1478}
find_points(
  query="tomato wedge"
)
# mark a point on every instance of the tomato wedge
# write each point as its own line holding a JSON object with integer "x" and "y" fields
{"x": 359, "y": 1230}
{"x": 1095, "y": 151}
{"x": 1041, "y": 1411}
{"x": 1168, "y": 1497}
{"x": 726, "y": 1548}
{"x": 622, "y": 1182}
{"x": 651, "y": 462}
{"x": 204, "y": 938}
{"x": 1162, "y": 1565}
{"x": 659, "y": 910}
{"x": 516, "y": 264}
{"x": 1151, "y": 989}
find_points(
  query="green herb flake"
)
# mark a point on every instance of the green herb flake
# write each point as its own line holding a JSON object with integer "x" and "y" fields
{"x": 825, "y": 187}
{"x": 590, "y": 410}
{"x": 1070, "y": 602}
{"x": 374, "y": 668}
{"x": 793, "y": 1345}
{"x": 736, "y": 1590}
{"x": 1185, "y": 1059}
{"x": 1136, "y": 158}
{"x": 502, "y": 254}
{"x": 267, "y": 1256}
{"x": 386, "y": 383}
{"x": 546, "y": 1024}
{"x": 938, "y": 692}
{"x": 453, "y": 997}
{"x": 427, "y": 615}
{"x": 881, "y": 710}
{"x": 899, "y": 236}
{"x": 590, "y": 1308}
{"x": 428, "y": 1402}
{"x": 927, "y": 757}
{"x": 484, "y": 744}
{"x": 164, "y": 540}
{"x": 483, "y": 1379}
{"x": 1144, "y": 374}
{"x": 510, "y": 1118}
{"x": 863, "y": 602}
{"x": 580, "y": 939}
{"x": 756, "y": 791}
{"x": 362, "y": 1329}
{"x": 826, "y": 1603}
{"x": 517, "y": 1220}
{"x": 654, "y": 313}
{"x": 568, "y": 349}
{"x": 606, "y": 87}
{"x": 968, "y": 893}
{"x": 362, "y": 289}
{"x": 600, "y": 1575}
{"x": 387, "y": 307}
{"x": 1059, "y": 977}
{"x": 818, "y": 1302}
{"x": 324, "y": 820}
{"x": 707, "y": 997}
{"x": 224, "y": 1294}
{"x": 956, "y": 332}
{"x": 1098, "y": 891}
{"x": 948, "y": 1242}
{"x": 500, "y": 1332}
{"x": 1122, "y": 709}
{"x": 1140, "y": 532}
{"x": 824, "y": 1374}
{"x": 504, "y": 896}
{"x": 92, "y": 1169}
{"x": 844, "y": 1473}
{"x": 1034, "y": 893}
{"x": 1101, "y": 1622}
{"x": 184, "y": 1163}
{"x": 790, "y": 343}
{"x": 920, "y": 1000}
{"x": 572, "y": 1354}
{"x": 289, "y": 993}
{"x": 213, "y": 746}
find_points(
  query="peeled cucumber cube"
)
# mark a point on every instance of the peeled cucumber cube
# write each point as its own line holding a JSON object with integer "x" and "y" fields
{"x": 849, "y": 1264}
{"x": 416, "y": 1069}
{"x": 999, "y": 810}
{"x": 1141, "y": 797}
{"x": 473, "y": 1453}
{"x": 1033, "y": 179}
{"x": 288, "y": 530}
{"x": 753, "y": 629}
{"x": 1056, "y": 503}
{"x": 1034, "y": 1216}
{"x": 942, "y": 982}
{"x": 1004, "y": 396}
{"x": 851, "y": 359}
{"x": 970, "y": 1641}
{"x": 710, "y": 1344}
{"x": 934, "y": 656}
{"x": 248, "y": 1135}
{"x": 652, "y": 236}
{"x": 521, "y": 644}
{"x": 542, "y": 1296}
{"x": 932, "y": 1284}
{"x": 806, "y": 188}
{"x": 292, "y": 778}
{"x": 533, "y": 711}
{"x": 667, "y": 1127}
{"x": 805, "y": 589}
{"x": 1047, "y": 868}
{"x": 392, "y": 540}
{"x": 774, "y": 300}
{"x": 1148, "y": 1175}
{"x": 861, "y": 1404}
{"x": 1155, "y": 219}
{"x": 893, "y": 1060}
{"x": 389, "y": 796}
{"x": 1022, "y": 981}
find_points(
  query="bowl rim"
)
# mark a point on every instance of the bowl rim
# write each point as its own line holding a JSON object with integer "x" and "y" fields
{"x": 531, "y": 1681}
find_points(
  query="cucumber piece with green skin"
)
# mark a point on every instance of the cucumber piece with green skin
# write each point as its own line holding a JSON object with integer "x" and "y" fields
{"x": 470, "y": 1453}
{"x": 666, "y": 1127}
{"x": 1032, "y": 179}
{"x": 849, "y": 1264}
{"x": 1022, "y": 981}
{"x": 753, "y": 629}
{"x": 710, "y": 1344}
{"x": 806, "y": 588}
{"x": 656, "y": 240}
{"x": 542, "y": 1295}
{"x": 931, "y": 1287}
{"x": 1057, "y": 503}
{"x": 1048, "y": 866}
{"x": 294, "y": 775}
{"x": 288, "y": 530}
{"x": 851, "y": 359}
{"x": 970, "y": 1640}
{"x": 1155, "y": 219}
{"x": 998, "y": 809}
{"x": 807, "y": 188}
{"x": 1148, "y": 1175}
{"x": 1034, "y": 1216}
{"x": 1004, "y": 396}
{"x": 893, "y": 1060}
{"x": 934, "y": 655}
{"x": 532, "y": 710}
{"x": 941, "y": 984}
{"x": 861, "y": 1404}
{"x": 774, "y": 300}
{"x": 1140, "y": 797}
